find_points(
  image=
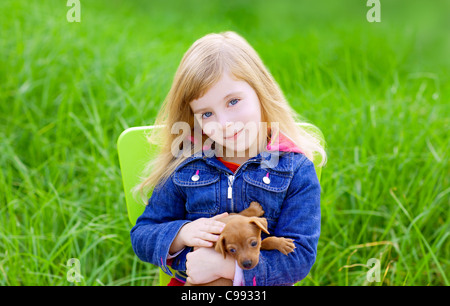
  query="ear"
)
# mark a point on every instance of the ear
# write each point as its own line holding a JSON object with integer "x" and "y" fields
{"x": 261, "y": 223}
{"x": 220, "y": 246}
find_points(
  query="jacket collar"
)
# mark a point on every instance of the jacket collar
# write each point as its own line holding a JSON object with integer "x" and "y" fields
{"x": 276, "y": 157}
{"x": 273, "y": 160}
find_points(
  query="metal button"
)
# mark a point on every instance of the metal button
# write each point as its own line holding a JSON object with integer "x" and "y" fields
{"x": 195, "y": 178}
{"x": 266, "y": 180}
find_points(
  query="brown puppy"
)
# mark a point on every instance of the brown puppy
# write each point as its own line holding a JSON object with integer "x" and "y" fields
{"x": 241, "y": 238}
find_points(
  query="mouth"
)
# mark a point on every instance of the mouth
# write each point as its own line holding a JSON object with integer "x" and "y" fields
{"x": 234, "y": 136}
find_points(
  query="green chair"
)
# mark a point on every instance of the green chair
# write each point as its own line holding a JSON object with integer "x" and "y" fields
{"x": 134, "y": 152}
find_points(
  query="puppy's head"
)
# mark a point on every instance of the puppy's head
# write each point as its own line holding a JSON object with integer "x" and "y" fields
{"x": 241, "y": 238}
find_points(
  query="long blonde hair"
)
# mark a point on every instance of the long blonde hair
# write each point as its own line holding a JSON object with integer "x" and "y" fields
{"x": 200, "y": 68}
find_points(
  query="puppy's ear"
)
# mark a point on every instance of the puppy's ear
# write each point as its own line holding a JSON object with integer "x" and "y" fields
{"x": 261, "y": 223}
{"x": 221, "y": 247}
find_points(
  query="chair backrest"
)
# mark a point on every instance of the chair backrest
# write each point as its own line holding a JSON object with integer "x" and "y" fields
{"x": 134, "y": 153}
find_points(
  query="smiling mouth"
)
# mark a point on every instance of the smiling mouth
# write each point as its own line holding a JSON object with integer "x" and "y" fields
{"x": 233, "y": 136}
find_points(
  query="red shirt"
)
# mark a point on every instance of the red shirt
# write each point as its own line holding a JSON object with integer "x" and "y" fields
{"x": 232, "y": 166}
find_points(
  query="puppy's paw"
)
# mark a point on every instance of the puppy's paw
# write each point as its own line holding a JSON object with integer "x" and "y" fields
{"x": 256, "y": 209}
{"x": 286, "y": 245}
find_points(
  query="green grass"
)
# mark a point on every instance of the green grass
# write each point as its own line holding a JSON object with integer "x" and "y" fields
{"x": 379, "y": 92}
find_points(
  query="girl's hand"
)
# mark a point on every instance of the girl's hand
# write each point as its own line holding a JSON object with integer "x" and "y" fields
{"x": 204, "y": 265}
{"x": 202, "y": 232}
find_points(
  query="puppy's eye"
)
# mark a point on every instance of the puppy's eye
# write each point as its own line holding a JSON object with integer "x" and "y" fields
{"x": 232, "y": 251}
{"x": 254, "y": 243}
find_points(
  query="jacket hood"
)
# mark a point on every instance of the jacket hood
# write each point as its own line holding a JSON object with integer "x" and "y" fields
{"x": 283, "y": 144}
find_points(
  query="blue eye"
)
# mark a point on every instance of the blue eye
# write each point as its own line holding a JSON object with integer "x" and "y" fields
{"x": 235, "y": 101}
{"x": 206, "y": 115}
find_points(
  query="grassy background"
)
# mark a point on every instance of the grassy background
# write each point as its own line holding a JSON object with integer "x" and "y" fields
{"x": 379, "y": 92}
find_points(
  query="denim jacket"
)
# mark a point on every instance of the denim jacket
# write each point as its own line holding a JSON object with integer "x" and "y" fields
{"x": 290, "y": 199}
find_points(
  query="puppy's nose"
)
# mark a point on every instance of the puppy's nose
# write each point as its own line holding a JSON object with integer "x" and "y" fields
{"x": 247, "y": 263}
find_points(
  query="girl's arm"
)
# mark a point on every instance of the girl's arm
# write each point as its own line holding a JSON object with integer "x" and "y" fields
{"x": 299, "y": 220}
{"x": 157, "y": 227}
{"x": 162, "y": 229}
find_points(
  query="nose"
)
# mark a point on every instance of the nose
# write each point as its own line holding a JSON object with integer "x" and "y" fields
{"x": 226, "y": 124}
{"x": 222, "y": 118}
{"x": 247, "y": 263}
{"x": 227, "y": 128}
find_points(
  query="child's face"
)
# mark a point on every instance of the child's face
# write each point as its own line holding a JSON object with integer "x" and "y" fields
{"x": 230, "y": 114}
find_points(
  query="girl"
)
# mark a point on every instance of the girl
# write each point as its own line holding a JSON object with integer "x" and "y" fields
{"x": 240, "y": 143}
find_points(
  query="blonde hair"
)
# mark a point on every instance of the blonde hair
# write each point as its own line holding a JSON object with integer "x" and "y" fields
{"x": 200, "y": 68}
